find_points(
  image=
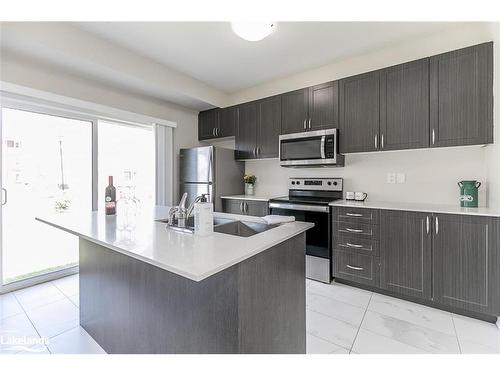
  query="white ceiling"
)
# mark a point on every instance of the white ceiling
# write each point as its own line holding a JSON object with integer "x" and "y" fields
{"x": 212, "y": 53}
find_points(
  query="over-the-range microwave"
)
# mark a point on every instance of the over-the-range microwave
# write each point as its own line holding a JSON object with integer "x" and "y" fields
{"x": 310, "y": 149}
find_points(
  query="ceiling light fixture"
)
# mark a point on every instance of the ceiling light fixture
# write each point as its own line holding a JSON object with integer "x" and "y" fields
{"x": 253, "y": 31}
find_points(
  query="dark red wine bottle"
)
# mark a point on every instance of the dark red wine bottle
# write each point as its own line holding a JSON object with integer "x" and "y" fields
{"x": 110, "y": 197}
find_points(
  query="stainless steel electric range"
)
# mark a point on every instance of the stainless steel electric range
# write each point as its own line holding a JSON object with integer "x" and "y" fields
{"x": 308, "y": 200}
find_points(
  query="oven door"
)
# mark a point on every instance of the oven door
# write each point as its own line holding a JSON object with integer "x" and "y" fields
{"x": 318, "y": 238}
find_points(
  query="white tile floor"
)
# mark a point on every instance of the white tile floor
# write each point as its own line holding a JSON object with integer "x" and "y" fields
{"x": 340, "y": 320}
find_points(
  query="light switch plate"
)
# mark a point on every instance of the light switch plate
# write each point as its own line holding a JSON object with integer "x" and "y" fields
{"x": 400, "y": 178}
{"x": 391, "y": 178}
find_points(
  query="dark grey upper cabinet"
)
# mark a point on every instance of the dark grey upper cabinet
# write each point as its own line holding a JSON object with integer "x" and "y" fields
{"x": 359, "y": 117}
{"x": 268, "y": 127}
{"x": 404, "y": 106}
{"x": 227, "y": 122}
{"x": 294, "y": 115}
{"x": 466, "y": 262}
{"x": 323, "y": 106}
{"x": 405, "y": 253}
{"x": 461, "y": 93}
{"x": 217, "y": 123}
{"x": 207, "y": 123}
{"x": 246, "y": 131}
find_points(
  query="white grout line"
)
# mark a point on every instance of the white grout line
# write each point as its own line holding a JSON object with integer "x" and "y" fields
{"x": 456, "y": 333}
{"x": 359, "y": 327}
{"x": 328, "y": 341}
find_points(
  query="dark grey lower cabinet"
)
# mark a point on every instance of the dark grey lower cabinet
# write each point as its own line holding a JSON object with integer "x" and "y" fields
{"x": 466, "y": 262}
{"x": 245, "y": 207}
{"x": 405, "y": 253}
{"x": 445, "y": 260}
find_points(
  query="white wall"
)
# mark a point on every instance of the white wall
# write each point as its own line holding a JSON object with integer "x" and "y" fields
{"x": 431, "y": 174}
{"x": 26, "y": 72}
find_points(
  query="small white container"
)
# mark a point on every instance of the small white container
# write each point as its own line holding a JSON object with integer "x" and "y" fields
{"x": 203, "y": 218}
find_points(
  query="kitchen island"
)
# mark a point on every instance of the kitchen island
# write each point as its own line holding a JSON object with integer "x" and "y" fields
{"x": 148, "y": 289}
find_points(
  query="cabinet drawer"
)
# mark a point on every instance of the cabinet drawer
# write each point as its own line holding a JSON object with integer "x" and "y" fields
{"x": 363, "y": 269}
{"x": 356, "y": 215}
{"x": 356, "y": 245}
{"x": 355, "y": 230}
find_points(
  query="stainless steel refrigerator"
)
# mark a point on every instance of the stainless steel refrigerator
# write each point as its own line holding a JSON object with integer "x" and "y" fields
{"x": 210, "y": 170}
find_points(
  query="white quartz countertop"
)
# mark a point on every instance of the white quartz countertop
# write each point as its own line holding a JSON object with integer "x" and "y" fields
{"x": 420, "y": 207}
{"x": 194, "y": 257}
{"x": 261, "y": 198}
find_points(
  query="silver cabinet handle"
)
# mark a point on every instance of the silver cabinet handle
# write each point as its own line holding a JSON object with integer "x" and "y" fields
{"x": 427, "y": 224}
{"x": 213, "y": 132}
{"x": 246, "y": 207}
{"x": 4, "y": 200}
{"x": 382, "y": 141}
{"x": 353, "y": 245}
{"x": 355, "y": 215}
{"x": 254, "y": 152}
{"x": 305, "y": 126}
{"x": 354, "y": 230}
{"x": 216, "y": 132}
{"x": 354, "y": 268}
{"x": 309, "y": 123}
{"x": 241, "y": 206}
{"x": 258, "y": 151}
{"x": 376, "y": 141}
{"x": 433, "y": 136}
{"x": 437, "y": 225}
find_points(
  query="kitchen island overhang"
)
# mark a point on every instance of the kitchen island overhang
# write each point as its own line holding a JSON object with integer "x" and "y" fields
{"x": 169, "y": 292}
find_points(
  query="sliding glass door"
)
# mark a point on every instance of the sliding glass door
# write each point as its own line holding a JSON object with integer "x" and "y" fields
{"x": 127, "y": 153}
{"x": 46, "y": 167}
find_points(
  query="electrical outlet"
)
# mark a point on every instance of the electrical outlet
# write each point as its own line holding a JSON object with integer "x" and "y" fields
{"x": 391, "y": 178}
{"x": 400, "y": 178}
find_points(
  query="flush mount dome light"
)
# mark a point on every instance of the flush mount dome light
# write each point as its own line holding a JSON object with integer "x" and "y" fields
{"x": 253, "y": 31}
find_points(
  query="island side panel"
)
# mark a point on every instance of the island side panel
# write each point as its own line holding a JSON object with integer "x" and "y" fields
{"x": 256, "y": 306}
{"x": 272, "y": 300}
{"x": 129, "y": 306}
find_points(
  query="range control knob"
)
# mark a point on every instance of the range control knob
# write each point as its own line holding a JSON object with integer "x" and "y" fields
{"x": 293, "y": 182}
{"x": 298, "y": 182}
{"x": 329, "y": 182}
{"x": 335, "y": 183}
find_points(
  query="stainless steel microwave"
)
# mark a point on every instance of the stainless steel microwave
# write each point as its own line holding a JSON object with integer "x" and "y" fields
{"x": 310, "y": 149}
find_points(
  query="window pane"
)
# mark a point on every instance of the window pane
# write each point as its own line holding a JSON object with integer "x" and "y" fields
{"x": 126, "y": 153}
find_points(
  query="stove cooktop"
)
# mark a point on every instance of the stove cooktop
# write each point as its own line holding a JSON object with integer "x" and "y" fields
{"x": 303, "y": 200}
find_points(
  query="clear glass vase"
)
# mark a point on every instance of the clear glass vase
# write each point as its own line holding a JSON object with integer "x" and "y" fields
{"x": 249, "y": 189}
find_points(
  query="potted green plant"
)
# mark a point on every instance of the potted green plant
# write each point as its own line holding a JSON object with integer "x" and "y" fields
{"x": 249, "y": 183}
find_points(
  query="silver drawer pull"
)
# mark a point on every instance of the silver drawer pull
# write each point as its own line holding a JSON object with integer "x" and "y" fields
{"x": 353, "y": 245}
{"x": 354, "y": 230}
{"x": 355, "y": 215}
{"x": 354, "y": 268}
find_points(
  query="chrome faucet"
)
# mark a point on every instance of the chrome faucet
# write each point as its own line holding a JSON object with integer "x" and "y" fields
{"x": 178, "y": 215}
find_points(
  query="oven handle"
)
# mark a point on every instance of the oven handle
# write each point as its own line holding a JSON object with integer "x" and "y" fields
{"x": 299, "y": 207}
{"x": 322, "y": 147}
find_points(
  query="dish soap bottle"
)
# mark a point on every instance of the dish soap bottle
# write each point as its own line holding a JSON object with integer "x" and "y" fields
{"x": 203, "y": 217}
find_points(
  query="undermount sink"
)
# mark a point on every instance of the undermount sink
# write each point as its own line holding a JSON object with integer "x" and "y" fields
{"x": 190, "y": 221}
{"x": 242, "y": 228}
{"x": 227, "y": 226}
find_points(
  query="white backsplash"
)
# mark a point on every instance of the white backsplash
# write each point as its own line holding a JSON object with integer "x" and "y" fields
{"x": 431, "y": 174}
